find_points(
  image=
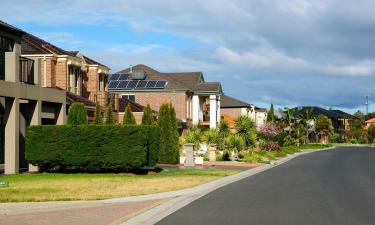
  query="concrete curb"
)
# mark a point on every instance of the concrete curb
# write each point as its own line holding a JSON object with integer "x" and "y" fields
{"x": 184, "y": 197}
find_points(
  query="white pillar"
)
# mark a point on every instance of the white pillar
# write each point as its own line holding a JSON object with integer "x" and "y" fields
{"x": 12, "y": 134}
{"x": 218, "y": 109}
{"x": 213, "y": 111}
{"x": 195, "y": 109}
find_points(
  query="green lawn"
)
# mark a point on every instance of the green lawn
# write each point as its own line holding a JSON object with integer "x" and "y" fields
{"x": 56, "y": 187}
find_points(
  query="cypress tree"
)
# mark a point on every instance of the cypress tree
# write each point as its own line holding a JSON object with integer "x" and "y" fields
{"x": 128, "y": 116}
{"x": 77, "y": 114}
{"x": 271, "y": 114}
{"x": 169, "y": 146}
{"x": 110, "y": 120}
{"x": 98, "y": 118}
{"x": 147, "y": 118}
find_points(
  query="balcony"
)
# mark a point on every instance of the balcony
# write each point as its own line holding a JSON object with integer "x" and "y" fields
{"x": 26, "y": 70}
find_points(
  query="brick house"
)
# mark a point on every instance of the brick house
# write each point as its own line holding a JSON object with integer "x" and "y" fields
{"x": 83, "y": 79}
{"x": 23, "y": 100}
{"x": 196, "y": 101}
{"x": 232, "y": 108}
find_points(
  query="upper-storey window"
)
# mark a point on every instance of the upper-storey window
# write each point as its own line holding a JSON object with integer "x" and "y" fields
{"x": 75, "y": 80}
{"x": 103, "y": 82}
{"x": 2, "y": 65}
{"x": 26, "y": 70}
{"x": 6, "y": 45}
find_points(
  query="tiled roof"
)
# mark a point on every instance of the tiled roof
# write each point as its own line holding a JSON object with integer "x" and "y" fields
{"x": 372, "y": 120}
{"x": 193, "y": 81}
{"x": 229, "y": 102}
{"x": 34, "y": 45}
{"x": 135, "y": 107}
{"x": 71, "y": 98}
{"x": 11, "y": 29}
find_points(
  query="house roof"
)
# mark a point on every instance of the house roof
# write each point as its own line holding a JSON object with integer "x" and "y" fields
{"x": 229, "y": 102}
{"x": 192, "y": 81}
{"x": 71, "y": 98}
{"x": 11, "y": 29}
{"x": 372, "y": 120}
{"x": 333, "y": 114}
{"x": 34, "y": 45}
{"x": 135, "y": 107}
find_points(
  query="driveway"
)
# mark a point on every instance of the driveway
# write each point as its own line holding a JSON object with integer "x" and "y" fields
{"x": 327, "y": 187}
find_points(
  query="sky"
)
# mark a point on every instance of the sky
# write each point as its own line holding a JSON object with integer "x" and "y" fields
{"x": 285, "y": 52}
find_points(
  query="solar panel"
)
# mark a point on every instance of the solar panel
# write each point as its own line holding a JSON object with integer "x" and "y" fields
{"x": 114, "y": 76}
{"x": 113, "y": 84}
{"x": 123, "y": 77}
{"x": 141, "y": 84}
{"x": 123, "y": 84}
{"x": 151, "y": 84}
{"x": 132, "y": 84}
{"x": 160, "y": 84}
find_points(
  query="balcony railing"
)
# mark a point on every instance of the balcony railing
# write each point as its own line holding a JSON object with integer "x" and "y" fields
{"x": 26, "y": 70}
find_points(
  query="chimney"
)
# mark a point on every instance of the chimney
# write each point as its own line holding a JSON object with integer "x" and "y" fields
{"x": 131, "y": 68}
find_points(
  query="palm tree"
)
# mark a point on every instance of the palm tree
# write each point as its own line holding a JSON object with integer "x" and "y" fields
{"x": 290, "y": 118}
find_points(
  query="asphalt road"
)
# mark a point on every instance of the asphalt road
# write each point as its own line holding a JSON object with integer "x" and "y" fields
{"x": 327, "y": 187}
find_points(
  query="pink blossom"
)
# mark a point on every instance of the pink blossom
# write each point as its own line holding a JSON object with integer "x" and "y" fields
{"x": 269, "y": 129}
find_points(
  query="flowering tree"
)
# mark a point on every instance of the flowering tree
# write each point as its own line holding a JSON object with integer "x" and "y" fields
{"x": 269, "y": 129}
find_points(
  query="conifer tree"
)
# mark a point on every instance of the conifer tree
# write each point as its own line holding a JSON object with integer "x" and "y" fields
{"x": 110, "y": 120}
{"x": 169, "y": 146}
{"x": 98, "y": 118}
{"x": 77, "y": 114}
{"x": 128, "y": 116}
{"x": 147, "y": 118}
{"x": 271, "y": 115}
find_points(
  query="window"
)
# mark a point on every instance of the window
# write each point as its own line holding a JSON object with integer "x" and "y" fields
{"x": 129, "y": 97}
{"x": 74, "y": 74}
{"x": 6, "y": 44}
{"x": 26, "y": 70}
{"x": 2, "y": 65}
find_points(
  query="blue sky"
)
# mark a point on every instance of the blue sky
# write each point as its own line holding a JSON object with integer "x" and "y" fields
{"x": 286, "y": 52}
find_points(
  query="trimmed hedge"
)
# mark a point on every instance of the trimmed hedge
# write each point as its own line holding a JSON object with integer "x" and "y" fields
{"x": 92, "y": 147}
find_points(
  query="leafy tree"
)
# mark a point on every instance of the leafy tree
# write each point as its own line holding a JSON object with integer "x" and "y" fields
{"x": 371, "y": 134}
{"x": 77, "y": 114}
{"x": 110, "y": 120}
{"x": 128, "y": 116}
{"x": 300, "y": 132}
{"x": 169, "y": 146}
{"x": 245, "y": 127}
{"x": 147, "y": 118}
{"x": 289, "y": 118}
{"x": 271, "y": 114}
{"x": 98, "y": 118}
{"x": 323, "y": 126}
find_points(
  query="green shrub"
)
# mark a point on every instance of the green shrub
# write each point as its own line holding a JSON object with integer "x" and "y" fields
{"x": 169, "y": 137}
{"x": 110, "y": 120}
{"x": 77, "y": 114}
{"x": 290, "y": 141}
{"x": 194, "y": 136}
{"x": 147, "y": 117}
{"x": 92, "y": 147}
{"x": 371, "y": 134}
{"x": 98, "y": 118}
{"x": 234, "y": 143}
{"x": 212, "y": 136}
{"x": 128, "y": 116}
{"x": 354, "y": 141}
{"x": 336, "y": 138}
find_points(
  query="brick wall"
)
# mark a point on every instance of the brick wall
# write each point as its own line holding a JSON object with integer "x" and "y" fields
{"x": 61, "y": 74}
{"x": 156, "y": 99}
{"x": 232, "y": 112}
{"x": 50, "y": 78}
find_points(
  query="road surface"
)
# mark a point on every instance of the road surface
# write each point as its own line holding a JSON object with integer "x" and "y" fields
{"x": 328, "y": 187}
